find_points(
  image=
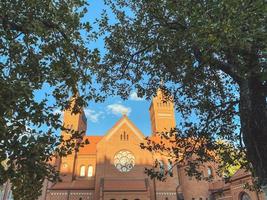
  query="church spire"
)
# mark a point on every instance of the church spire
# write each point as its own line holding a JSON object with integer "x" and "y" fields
{"x": 161, "y": 113}
{"x": 77, "y": 122}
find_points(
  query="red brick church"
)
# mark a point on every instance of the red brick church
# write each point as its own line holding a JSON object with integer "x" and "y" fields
{"x": 112, "y": 167}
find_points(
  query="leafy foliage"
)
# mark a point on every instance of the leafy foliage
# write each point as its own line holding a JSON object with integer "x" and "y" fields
{"x": 42, "y": 47}
{"x": 211, "y": 55}
{"x": 193, "y": 152}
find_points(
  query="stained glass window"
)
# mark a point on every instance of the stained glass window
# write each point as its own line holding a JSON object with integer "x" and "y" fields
{"x": 124, "y": 161}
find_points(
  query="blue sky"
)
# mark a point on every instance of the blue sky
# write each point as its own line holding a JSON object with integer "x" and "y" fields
{"x": 102, "y": 116}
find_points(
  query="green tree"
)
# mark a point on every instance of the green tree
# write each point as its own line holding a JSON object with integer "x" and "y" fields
{"x": 211, "y": 55}
{"x": 42, "y": 47}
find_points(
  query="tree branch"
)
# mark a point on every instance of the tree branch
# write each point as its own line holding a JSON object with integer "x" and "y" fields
{"x": 214, "y": 62}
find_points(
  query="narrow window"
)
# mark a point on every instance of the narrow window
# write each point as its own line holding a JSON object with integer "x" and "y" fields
{"x": 127, "y": 137}
{"x": 82, "y": 170}
{"x": 90, "y": 171}
{"x": 121, "y": 136}
{"x": 210, "y": 172}
{"x": 161, "y": 168}
{"x": 124, "y": 135}
{"x": 170, "y": 171}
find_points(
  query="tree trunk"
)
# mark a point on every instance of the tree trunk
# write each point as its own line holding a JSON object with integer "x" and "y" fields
{"x": 253, "y": 117}
{"x": 264, "y": 189}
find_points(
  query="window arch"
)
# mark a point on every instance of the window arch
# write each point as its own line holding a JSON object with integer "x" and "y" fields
{"x": 90, "y": 171}
{"x": 161, "y": 167}
{"x": 210, "y": 172}
{"x": 82, "y": 170}
{"x": 244, "y": 196}
{"x": 170, "y": 169}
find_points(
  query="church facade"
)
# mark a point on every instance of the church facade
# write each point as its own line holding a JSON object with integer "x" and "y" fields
{"x": 112, "y": 167}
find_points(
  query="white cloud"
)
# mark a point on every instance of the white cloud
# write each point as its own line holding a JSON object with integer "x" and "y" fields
{"x": 93, "y": 115}
{"x": 119, "y": 109}
{"x": 134, "y": 97}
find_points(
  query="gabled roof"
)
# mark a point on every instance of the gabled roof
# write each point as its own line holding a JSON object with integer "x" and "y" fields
{"x": 240, "y": 174}
{"x": 129, "y": 123}
{"x": 94, "y": 140}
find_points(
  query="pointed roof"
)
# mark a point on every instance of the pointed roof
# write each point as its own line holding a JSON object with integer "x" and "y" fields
{"x": 240, "y": 174}
{"x": 94, "y": 140}
{"x": 124, "y": 120}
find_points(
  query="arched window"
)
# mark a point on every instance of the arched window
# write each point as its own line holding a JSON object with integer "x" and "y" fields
{"x": 170, "y": 171}
{"x": 161, "y": 167}
{"x": 90, "y": 171}
{"x": 244, "y": 196}
{"x": 210, "y": 173}
{"x": 82, "y": 170}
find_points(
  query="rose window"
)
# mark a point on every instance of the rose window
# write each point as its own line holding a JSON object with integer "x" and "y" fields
{"x": 124, "y": 161}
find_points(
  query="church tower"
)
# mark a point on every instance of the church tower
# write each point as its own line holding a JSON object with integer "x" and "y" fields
{"x": 77, "y": 122}
{"x": 162, "y": 113}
